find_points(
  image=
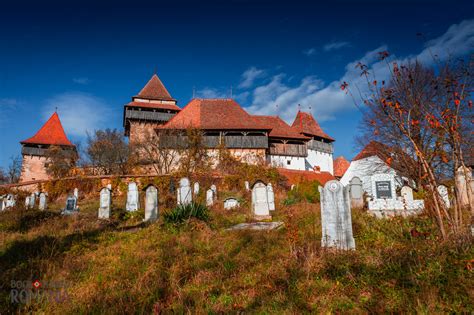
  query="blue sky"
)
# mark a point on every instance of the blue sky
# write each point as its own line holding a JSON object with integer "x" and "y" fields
{"x": 88, "y": 59}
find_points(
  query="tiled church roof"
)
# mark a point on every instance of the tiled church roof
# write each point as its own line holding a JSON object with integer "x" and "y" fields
{"x": 154, "y": 90}
{"x": 374, "y": 148}
{"x": 280, "y": 129}
{"x": 214, "y": 114}
{"x": 52, "y": 133}
{"x": 306, "y": 124}
{"x": 340, "y": 166}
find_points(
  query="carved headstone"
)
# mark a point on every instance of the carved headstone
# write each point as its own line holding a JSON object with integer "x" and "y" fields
{"x": 271, "y": 197}
{"x": 260, "y": 200}
{"x": 105, "y": 203}
{"x": 407, "y": 193}
{"x": 356, "y": 193}
{"x": 133, "y": 197}
{"x": 383, "y": 186}
{"x": 184, "y": 192}
{"x": 151, "y": 204}
{"x": 42, "y": 201}
{"x": 209, "y": 197}
{"x": 336, "y": 217}
{"x": 71, "y": 206}
{"x": 196, "y": 188}
{"x": 231, "y": 203}
{"x": 443, "y": 192}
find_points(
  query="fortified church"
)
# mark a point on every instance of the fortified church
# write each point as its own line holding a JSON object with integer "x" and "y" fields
{"x": 224, "y": 123}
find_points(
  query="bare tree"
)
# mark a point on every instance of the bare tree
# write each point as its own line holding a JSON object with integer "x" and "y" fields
{"x": 14, "y": 169}
{"x": 60, "y": 161}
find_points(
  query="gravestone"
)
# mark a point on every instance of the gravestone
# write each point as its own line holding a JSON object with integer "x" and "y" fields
{"x": 196, "y": 188}
{"x": 260, "y": 206}
{"x": 133, "y": 197}
{"x": 463, "y": 179}
{"x": 443, "y": 192}
{"x": 383, "y": 186}
{"x": 32, "y": 200}
{"x": 10, "y": 201}
{"x": 271, "y": 197}
{"x": 247, "y": 186}
{"x": 42, "y": 201}
{"x": 151, "y": 204}
{"x": 2, "y": 203}
{"x": 76, "y": 193}
{"x": 209, "y": 197}
{"x": 71, "y": 206}
{"x": 27, "y": 202}
{"x": 407, "y": 193}
{"x": 356, "y": 192}
{"x": 336, "y": 217}
{"x": 231, "y": 203}
{"x": 184, "y": 192}
{"x": 105, "y": 203}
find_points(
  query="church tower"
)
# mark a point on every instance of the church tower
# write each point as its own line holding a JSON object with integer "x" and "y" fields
{"x": 152, "y": 107}
{"x": 34, "y": 149}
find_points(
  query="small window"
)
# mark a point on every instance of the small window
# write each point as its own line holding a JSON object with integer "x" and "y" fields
{"x": 288, "y": 162}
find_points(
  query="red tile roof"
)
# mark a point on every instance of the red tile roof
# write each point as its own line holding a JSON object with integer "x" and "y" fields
{"x": 214, "y": 114}
{"x": 374, "y": 148}
{"x": 154, "y": 105}
{"x": 296, "y": 176}
{"x": 52, "y": 133}
{"x": 306, "y": 124}
{"x": 154, "y": 90}
{"x": 340, "y": 166}
{"x": 280, "y": 129}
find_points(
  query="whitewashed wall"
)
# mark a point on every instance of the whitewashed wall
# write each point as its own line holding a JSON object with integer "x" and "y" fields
{"x": 321, "y": 159}
{"x": 296, "y": 163}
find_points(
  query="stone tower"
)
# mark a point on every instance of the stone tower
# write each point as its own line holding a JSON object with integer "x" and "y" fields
{"x": 34, "y": 149}
{"x": 152, "y": 107}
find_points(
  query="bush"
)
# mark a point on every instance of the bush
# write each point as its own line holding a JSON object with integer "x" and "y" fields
{"x": 185, "y": 212}
{"x": 304, "y": 191}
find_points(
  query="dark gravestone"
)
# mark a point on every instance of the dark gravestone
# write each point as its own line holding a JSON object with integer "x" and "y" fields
{"x": 383, "y": 190}
{"x": 71, "y": 206}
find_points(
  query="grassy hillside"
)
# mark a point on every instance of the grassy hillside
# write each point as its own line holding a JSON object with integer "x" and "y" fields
{"x": 121, "y": 266}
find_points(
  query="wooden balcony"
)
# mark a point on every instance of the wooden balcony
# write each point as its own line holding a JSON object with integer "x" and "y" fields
{"x": 230, "y": 142}
{"x": 147, "y": 115}
{"x": 288, "y": 149}
{"x": 320, "y": 146}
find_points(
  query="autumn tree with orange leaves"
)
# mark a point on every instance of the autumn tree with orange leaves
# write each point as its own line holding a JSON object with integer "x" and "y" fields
{"x": 423, "y": 115}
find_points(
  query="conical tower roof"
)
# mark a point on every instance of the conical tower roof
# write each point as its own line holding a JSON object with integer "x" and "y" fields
{"x": 52, "y": 133}
{"x": 154, "y": 90}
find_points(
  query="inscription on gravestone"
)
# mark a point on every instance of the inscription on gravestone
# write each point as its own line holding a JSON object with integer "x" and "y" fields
{"x": 383, "y": 189}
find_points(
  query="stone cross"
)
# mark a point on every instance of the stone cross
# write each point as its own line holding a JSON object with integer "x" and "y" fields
{"x": 76, "y": 193}
{"x": 151, "y": 204}
{"x": 260, "y": 206}
{"x": 209, "y": 197}
{"x": 231, "y": 203}
{"x": 336, "y": 216}
{"x": 356, "y": 192}
{"x": 184, "y": 196}
{"x": 271, "y": 197}
{"x": 105, "y": 203}
{"x": 443, "y": 192}
{"x": 407, "y": 193}
{"x": 133, "y": 197}
{"x": 196, "y": 188}
{"x": 43, "y": 201}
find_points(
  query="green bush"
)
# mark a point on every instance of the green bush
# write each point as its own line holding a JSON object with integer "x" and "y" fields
{"x": 304, "y": 191}
{"x": 185, "y": 212}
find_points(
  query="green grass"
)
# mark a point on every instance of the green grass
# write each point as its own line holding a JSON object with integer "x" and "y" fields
{"x": 121, "y": 266}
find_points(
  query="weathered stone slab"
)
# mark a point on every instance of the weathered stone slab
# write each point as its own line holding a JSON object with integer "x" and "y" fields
{"x": 71, "y": 206}
{"x": 231, "y": 203}
{"x": 209, "y": 197}
{"x": 271, "y": 197}
{"x": 133, "y": 197}
{"x": 196, "y": 188}
{"x": 356, "y": 192}
{"x": 257, "y": 226}
{"x": 105, "y": 202}
{"x": 43, "y": 201}
{"x": 184, "y": 196}
{"x": 260, "y": 200}
{"x": 407, "y": 193}
{"x": 151, "y": 204}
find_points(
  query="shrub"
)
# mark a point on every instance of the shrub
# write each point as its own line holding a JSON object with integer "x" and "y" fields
{"x": 185, "y": 212}
{"x": 304, "y": 191}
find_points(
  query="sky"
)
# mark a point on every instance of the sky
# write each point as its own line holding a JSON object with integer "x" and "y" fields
{"x": 88, "y": 59}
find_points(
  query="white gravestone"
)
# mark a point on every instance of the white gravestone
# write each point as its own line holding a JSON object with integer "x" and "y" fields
{"x": 76, "y": 193}
{"x": 231, "y": 203}
{"x": 443, "y": 192}
{"x": 43, "y": 201}
{"x": 196, "y": 188}
{"x": 184, "y": 192}
{"x": 2, "y": 203}
{"x": 105, "y": 203}
{"x": 260, "y": 200}
{"x": 214, "y": 189}
{"x": 32, "y": 200}
{"x": 407, "y": 193}
{"x": 463, "y": 179}
{"x": 209, "y": 197}
{"x": 71, "y": 206}
{"x": 27, "y": 202}
{"x": 10, "y": 202}
{"x": 247, "y": 186}
{"x": 271, "y": 197}
{"x": 336, "y": 217}
{"x": 356, "y": 192}
{"x": 151, "y": 204}
{"x": 133, "y": 197}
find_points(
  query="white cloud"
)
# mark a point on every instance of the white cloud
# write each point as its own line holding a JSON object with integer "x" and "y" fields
{"x": 336, "y": 45}
{"x": 81, "y": 80}
{"x": 8, "y": 103}
{"x": 249, "y": 77}
{"x": 211, "y": 93}
{"x": 310, "y": 52}
{"x": 79, "y": 112}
